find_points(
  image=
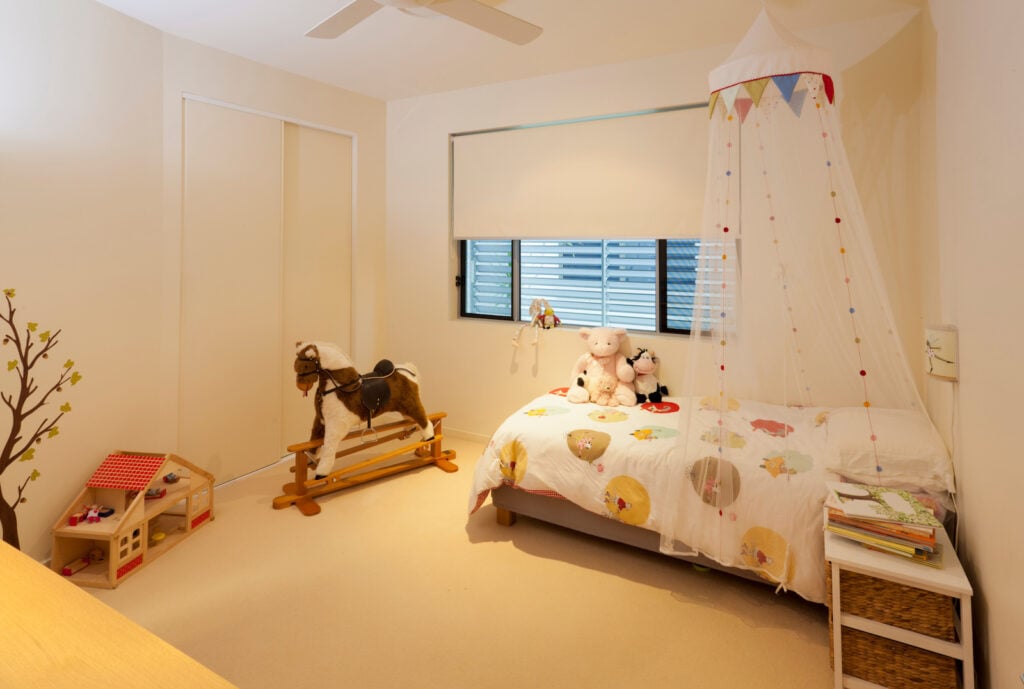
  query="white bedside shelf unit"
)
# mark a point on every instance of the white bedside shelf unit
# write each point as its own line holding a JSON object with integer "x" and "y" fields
{"x": 950, "y": 581}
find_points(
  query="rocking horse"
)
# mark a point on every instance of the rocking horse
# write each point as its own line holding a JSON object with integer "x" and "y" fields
{"x": 345, "y": 400}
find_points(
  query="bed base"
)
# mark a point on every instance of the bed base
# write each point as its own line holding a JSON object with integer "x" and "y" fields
{"x": 512, "y": 502}
{"x": 302, "y": 491}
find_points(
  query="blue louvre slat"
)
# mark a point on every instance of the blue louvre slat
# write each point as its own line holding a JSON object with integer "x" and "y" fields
{"x": 489, "y": 278}
{"x": 579, "y": 280}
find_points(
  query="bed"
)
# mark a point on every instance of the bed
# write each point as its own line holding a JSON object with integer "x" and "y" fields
{"x": 629, "y": 474}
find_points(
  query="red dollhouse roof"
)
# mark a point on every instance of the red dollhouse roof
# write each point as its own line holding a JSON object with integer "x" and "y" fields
{"x": 126, "y": 472}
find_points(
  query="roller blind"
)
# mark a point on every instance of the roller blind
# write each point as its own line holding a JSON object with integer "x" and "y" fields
{"x": 637, "y": 175}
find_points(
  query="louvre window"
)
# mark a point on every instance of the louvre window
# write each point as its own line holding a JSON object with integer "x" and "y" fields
{"x": 487, "y": 278}
{"x": 641, "y": 285}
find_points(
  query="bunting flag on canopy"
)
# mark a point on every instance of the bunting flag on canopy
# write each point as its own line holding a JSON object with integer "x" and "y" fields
{"x": 786, "y": 83}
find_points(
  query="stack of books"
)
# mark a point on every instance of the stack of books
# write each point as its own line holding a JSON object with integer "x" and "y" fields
{"x": 884, "y": 519}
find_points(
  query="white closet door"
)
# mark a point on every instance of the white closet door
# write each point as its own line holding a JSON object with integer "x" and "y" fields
{"x": 317, "y": 256}
{"x": 231, "y": 344}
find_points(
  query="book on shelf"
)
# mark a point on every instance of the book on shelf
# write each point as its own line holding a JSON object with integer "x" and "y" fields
{"x": 931, "y": 559}
{"x": 884, "y": 519}
{"x": 868, "y": 532}
{"x": 879, "y": 504}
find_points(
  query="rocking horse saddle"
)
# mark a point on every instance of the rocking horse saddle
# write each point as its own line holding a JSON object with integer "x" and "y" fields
{"x": 373, "y": 388}
{"x": 375, "y": 391}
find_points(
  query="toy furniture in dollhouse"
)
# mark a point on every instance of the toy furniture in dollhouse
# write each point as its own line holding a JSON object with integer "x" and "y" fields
{"x": 156, "y": 501}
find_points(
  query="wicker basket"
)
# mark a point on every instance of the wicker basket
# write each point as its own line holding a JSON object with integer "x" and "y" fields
{"x": 883, "y": 661}
{"x": 895, "y": 665}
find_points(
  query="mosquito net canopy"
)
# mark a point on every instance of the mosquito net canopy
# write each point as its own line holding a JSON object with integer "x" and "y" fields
{"x": 791, "y": 310}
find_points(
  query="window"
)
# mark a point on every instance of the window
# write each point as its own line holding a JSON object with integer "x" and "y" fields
{"x": 644, "y": 285}
{"x": 634, "y": 175}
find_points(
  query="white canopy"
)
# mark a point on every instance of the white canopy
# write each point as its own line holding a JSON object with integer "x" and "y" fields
{"x": 790, "y": 315}
{"x": 769, "y": 50}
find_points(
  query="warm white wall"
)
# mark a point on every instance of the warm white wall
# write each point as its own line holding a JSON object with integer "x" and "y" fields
{"x": 193, "y": 69}
{"x": 90, "y": 153}
{"x": 80, "y": 178}
{"x": 200, "y": 71}
{"x": 470, "y": 367}
{"x": 979, "y": 152}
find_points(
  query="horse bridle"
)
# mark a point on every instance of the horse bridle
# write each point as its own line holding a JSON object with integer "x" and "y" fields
{"x": 348, "y": 386}
{"x": 322, "y": 373}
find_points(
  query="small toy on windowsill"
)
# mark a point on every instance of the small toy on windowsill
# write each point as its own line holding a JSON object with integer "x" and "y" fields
{"x": 548, "y": 319}
{"x": 648, "y": 389}
{"x": 542, "y": 317}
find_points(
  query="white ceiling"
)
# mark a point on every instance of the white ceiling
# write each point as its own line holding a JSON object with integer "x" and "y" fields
{"x": 394, "y": 54}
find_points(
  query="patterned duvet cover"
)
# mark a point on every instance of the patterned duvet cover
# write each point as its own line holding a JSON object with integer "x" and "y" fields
{"x": 761, "y": 510}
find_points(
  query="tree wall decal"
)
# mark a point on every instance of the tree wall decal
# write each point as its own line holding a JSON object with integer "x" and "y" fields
{"x": 27, "y": 399}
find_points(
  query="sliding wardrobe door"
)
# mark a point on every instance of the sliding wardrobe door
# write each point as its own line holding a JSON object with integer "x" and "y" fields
{"x": 317, "y": 255}
{"x": 231, "y": 282}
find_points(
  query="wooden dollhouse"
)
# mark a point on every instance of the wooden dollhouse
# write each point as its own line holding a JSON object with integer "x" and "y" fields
{"x": 136, "y": 506}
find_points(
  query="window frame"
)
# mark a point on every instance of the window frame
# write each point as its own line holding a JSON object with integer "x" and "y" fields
{"x": 661, "y": 289}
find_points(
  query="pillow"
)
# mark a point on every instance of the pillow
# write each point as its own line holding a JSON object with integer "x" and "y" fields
{"x": 910, "y": 451}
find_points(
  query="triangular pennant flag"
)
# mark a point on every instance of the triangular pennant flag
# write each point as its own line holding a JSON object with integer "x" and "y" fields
{"x": 796, "y": 101}
{"x": 729, "y": 96}
{"x": 756, "y": 89}
{"x": 743, "y": 107}
{"x": 786, "y": 84}
{"x": 830, "y": 88}
{"x": 712, "y": 102}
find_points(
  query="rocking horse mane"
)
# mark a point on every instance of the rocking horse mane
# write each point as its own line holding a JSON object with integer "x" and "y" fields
{"x": 332, "y": 358}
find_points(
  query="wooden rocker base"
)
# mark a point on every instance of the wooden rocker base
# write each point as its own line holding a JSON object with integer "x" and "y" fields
{"x": 302, "y": 491}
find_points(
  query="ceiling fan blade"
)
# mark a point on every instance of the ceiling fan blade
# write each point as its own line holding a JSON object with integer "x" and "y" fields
{"x": 344, "y": 19}
{"x": 489, "y": 19}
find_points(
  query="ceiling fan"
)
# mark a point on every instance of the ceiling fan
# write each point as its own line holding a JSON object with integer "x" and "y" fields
{"x": 472, "y": 12}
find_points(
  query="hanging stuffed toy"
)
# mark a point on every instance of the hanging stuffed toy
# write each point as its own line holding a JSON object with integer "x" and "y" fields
{"x": 542, "y": 317}
{"x": 549, "y": 320}
{"x": 645, "y": 363}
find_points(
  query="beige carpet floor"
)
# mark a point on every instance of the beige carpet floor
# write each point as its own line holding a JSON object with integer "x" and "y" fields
{"x": 393, "y": 586}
